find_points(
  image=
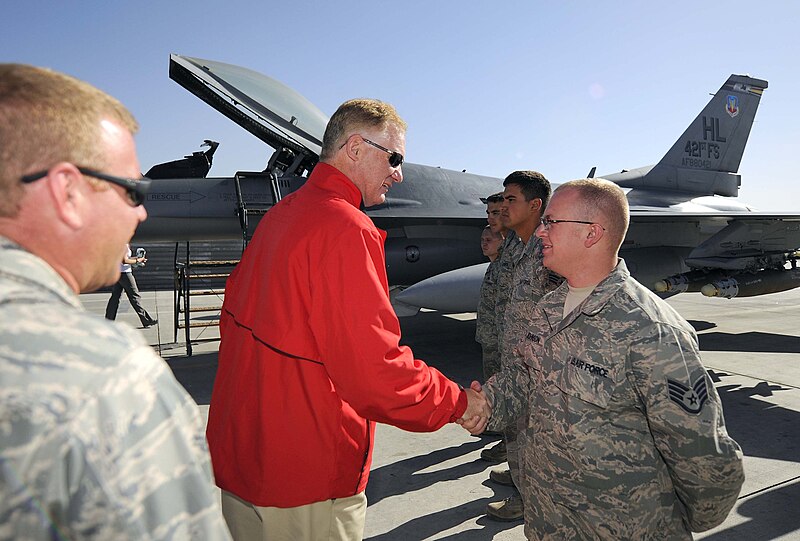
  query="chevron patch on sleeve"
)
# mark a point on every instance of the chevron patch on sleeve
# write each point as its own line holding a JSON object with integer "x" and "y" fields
{"x": 691, "y": 399}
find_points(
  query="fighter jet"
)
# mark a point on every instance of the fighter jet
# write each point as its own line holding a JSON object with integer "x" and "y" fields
{"x": 688, "y": 231}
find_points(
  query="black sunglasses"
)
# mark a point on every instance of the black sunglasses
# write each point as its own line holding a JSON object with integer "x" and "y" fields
{"x": 135, "y": 189}
{"x": 395, "y": 158}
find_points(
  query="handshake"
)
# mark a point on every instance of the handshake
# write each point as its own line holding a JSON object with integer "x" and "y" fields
{"x": 478, "y": 411}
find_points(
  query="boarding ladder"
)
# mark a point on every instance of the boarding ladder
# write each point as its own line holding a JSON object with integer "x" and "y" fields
{"x": 200, "y": 278}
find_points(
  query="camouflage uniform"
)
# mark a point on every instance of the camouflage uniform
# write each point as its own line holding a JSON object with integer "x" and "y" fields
{"x": 97, "y": 438}
{"x": 486, "y": 322}
{"x": 511, "y": 249}
{"x": 625, "y": 437}
{"x": 528, "y": 281}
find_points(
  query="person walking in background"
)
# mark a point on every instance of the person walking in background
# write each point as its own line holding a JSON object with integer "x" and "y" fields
{"x": 128, "y": 283}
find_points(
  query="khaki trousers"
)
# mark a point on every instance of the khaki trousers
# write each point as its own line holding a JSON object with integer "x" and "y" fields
{"x": 341, "y": 519}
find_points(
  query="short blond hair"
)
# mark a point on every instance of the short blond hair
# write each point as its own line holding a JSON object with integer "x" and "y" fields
{"x": 353, "y": 115}
{"x": 488, "y": 229}
{"x": 48, "y": 117}
{"x": 603, "y": 202}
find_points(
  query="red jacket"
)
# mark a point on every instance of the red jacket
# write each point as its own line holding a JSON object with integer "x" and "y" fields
{"x": 309, "y": 356}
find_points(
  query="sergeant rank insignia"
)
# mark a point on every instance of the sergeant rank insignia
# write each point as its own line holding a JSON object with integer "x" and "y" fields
{"x": 691, "y": 398}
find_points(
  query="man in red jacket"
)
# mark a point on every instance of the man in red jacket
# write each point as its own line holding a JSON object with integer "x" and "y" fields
{"x": 309, "y": 359}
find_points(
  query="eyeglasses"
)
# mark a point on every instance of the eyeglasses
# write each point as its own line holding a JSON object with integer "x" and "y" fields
{"x": 547, "y": 222}
{"x": 395, "y": 158}
{"x": 135, "y": 189}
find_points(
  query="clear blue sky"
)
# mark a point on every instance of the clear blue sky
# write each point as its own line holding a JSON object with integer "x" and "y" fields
{"x": 485, "y": 86}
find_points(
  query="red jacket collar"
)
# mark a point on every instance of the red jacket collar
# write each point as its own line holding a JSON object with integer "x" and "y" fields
{"x": 328, "y": 178}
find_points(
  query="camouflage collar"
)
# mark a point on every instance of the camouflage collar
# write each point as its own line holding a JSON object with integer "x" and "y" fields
{"x": 528, "y": 249}
{"x": 606, "y": 289}
{"x": 553, "y": 304}
{"x": 21, "y": 266}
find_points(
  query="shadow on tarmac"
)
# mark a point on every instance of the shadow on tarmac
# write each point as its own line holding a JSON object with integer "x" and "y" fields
{"x": 764, "y": 523}
{"x": 196, "y": 374}
{"x": 761, "y": 428}
{"x": 429, "y": 525}
{"x": 746, "y": 342}
{"x": 401, "y": 476}
{"x": 753, "y": 342}
{"x": 701, "y": 325}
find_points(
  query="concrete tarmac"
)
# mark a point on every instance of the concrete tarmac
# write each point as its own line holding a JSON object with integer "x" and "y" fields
{"x": 434, "y": 486}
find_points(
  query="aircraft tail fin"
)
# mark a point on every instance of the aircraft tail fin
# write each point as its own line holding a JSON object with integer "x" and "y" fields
{"x": 707, "y": 156}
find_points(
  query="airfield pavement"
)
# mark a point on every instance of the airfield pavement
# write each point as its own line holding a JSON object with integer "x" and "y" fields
{"x": 434, "y": 486}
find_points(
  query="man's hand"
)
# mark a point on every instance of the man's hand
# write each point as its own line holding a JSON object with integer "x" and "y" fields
{"x": 478, "y": 410}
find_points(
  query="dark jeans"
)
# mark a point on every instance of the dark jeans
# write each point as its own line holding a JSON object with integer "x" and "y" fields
{"x": 128, "y": 283}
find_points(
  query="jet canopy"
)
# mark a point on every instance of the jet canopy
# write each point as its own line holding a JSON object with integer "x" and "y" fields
{"x": 267, "y": 108}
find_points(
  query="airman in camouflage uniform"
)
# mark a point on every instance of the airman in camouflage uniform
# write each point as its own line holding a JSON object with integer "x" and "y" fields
{"x": 488, "y": 323}
{"x": 529, "y": 281}
{"x": 522, "y": 282}
{"x": 97, "y": 438}
{"x": 485, "y": 322}
{"x": 625, "y": 435}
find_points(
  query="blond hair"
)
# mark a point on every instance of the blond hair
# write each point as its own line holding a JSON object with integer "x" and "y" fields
{"x": 488, "y": 229}
{"x": 354, "y": 115}
{"x": 48, "y": 117}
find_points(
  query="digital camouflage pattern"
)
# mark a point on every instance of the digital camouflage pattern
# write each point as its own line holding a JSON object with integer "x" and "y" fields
{"x": 527, "y": 282}
{"x": 97, "y": 438}
{"x": 611, "y": 450}
{"x": 485, "y": 321}
{"x": 511, "y": 249}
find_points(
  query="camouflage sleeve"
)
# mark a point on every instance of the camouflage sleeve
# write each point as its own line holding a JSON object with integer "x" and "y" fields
{"x": 687, "y": 423}
{"x": 507, "y": 392}
{"x": 485, "y": 331}
{"x": 486, "y": 325}
{"x": 131, "y": 464}
{"x": 491, "y": 360}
